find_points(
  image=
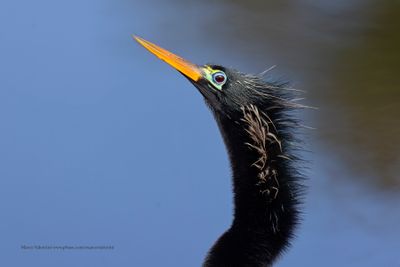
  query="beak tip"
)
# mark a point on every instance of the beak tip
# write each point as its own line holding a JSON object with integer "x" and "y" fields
{"x": 188, "y": 69}
{"x": 135, "y": 37}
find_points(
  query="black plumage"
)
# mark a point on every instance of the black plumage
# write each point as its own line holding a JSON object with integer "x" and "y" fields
{"x": 256, "y": 121}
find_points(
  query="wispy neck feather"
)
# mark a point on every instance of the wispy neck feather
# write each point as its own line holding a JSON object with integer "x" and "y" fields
{"x": 266, "y": 189}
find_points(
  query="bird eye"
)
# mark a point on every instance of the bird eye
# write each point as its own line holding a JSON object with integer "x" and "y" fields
{"x": 219, "y": 78}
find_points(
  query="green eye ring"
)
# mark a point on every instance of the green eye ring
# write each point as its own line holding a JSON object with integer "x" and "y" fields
{"x": 216, "y": 77}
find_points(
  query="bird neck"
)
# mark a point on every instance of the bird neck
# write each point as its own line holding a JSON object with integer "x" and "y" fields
{"x": 264, "y": 192}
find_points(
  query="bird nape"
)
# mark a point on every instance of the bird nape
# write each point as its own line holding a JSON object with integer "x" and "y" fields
{"x": 256, "y": 122}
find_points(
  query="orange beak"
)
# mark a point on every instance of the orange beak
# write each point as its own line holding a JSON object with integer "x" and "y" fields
{"x": 188, "y": 69}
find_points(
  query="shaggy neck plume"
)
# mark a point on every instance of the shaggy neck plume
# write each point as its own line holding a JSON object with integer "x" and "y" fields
{"x": 265, "y": 193}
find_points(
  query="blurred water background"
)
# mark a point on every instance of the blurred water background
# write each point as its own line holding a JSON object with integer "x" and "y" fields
{"x": 102, "y": 144}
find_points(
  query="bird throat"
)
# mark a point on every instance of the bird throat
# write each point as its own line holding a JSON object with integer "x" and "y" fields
{"x": 264, "y": 203}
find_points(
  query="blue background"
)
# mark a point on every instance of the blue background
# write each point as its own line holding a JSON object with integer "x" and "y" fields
{"x": 103, "y": 144}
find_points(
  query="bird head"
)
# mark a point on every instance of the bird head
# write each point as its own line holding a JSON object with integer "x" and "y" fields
{"x": 225, "y": 90}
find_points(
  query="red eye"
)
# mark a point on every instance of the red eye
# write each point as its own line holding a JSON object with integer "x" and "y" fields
{"x": 219, "y": 78}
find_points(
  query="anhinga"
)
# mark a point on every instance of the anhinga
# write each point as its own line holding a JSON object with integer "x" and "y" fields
{"x": 257, "y": 127}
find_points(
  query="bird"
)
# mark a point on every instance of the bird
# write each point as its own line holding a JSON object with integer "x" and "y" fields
{"x": 258, "y": 125}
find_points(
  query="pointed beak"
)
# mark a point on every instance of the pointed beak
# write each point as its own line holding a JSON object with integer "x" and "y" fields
{"x": 188, "y": 69}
